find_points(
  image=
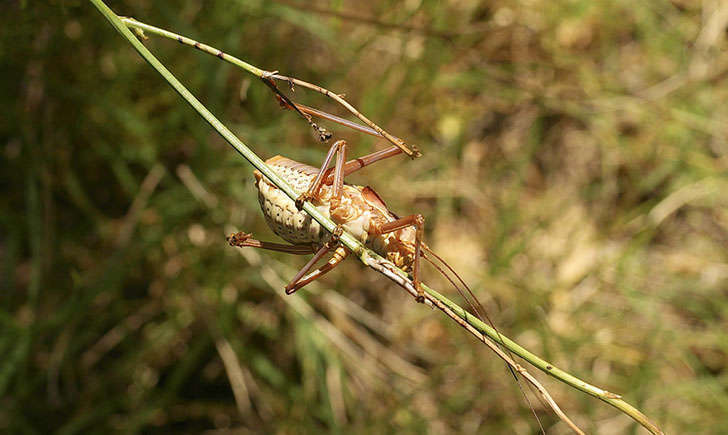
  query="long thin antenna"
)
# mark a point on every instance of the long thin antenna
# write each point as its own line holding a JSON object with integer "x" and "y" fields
{"x": 482, "y": 314}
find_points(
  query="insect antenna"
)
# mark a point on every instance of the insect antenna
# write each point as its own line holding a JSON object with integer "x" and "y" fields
{"x": 481, "y": 313}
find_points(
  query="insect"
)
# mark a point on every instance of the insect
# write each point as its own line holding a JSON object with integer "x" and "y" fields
{"x": 356, "y": 209}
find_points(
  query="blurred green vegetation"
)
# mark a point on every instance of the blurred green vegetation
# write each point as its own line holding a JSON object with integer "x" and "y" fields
{"x": 574, "y": 173}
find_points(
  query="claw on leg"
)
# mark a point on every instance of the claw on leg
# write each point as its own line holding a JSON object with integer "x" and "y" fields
{"x": 335, "y": 236}
{"x": 238, "y": 239}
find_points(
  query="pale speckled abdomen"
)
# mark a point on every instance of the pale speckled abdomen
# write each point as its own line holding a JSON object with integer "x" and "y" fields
{"x": 358, "y": 208}
{"x": 281, "y": 214}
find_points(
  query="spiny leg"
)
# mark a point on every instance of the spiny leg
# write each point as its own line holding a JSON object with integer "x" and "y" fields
{"x": 305, "y": 110}
{"x": 328, "y": 176}
{"x": 243, "y": 240}
{"x": 360, "y": 162}
{"x": 332, "y": 244}
{"x": 418, "y": 221}
{"x": 356, "y": 164}
{"x": 302, "y": 109}
{"x": 324, "y": 135}
{"x": 339, "y": 255}
{"x": 339, "y": 148}
{"x": 337, "y": 119}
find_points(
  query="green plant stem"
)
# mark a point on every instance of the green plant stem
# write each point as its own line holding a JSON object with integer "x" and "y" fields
{"x": 267, "y": 77}
{"x": 366, "y": 255}
{"x": 348, "y": 240}
{"x": 613, "y": 399}
{"x": 131, "y": 22}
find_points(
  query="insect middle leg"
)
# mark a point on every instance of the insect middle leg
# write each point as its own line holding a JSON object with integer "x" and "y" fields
{"x": 418, "y": 221}
{"x": 338, "y": 148}
{"x": 242, "y": 240}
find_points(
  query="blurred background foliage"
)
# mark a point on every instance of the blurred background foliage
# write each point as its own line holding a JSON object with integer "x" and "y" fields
{"x": 574, "y": 171}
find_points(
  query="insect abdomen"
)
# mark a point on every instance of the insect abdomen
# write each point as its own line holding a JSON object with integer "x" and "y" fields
{"x": 280, "y": 211}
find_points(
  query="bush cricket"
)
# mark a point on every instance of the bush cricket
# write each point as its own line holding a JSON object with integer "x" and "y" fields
{"x": 359, "y": 210}
{"x": 387, "y": 224}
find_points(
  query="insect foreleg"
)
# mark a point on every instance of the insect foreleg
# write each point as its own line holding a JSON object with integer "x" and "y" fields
{"x": 339, "y": 147}
{"x": 418, "y": 221}
{"x": 313, "y": 189}
{"x": 336, "y": 174}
